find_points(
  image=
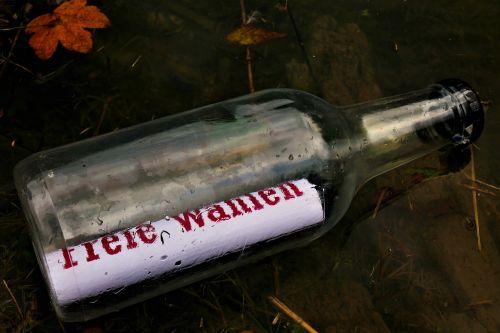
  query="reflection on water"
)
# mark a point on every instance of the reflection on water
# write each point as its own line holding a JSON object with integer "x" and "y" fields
{"x": 413, "y": 268}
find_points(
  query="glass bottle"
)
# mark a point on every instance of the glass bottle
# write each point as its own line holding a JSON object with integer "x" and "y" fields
{"x": 125, "y": 216}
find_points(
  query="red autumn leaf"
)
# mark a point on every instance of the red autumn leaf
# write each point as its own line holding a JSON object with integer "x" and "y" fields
{"x": 66, "y": 25}
{"x": 252, "y": 35}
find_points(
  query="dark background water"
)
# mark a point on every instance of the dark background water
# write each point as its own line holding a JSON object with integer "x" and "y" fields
{"x": 415, "y": 267}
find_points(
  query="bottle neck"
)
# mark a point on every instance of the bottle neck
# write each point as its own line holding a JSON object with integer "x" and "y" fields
{"x": 393, "y": 131}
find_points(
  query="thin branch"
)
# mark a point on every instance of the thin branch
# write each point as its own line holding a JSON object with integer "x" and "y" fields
{"x": 286, "y": 310}
{"x": 379, "y": 202}
{"x": 475, "y": 188}
{"x": 13, "y": 298}
{"x": 474, "y": 199}
{"x": 7, "y": 60}
{"x": 13, "y": 28}
{"x": 243, "y": 12}
{"x": 251, "y": 86}
{"x": 14, "y": 42}
{"x": 276, "y": 275}
{"x": 303, "y": 49}
{"x": 103, "y": 114}
{"x": 484, "y": 183}
{"x": 248, "y": 57}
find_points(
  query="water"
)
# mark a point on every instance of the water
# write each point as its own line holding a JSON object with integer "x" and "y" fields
{"x": 413, "y": 268}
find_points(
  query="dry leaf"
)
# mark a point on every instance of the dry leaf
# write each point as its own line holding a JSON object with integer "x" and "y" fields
{"x": 66, "y": 25}
{"x": 252, "y": 35}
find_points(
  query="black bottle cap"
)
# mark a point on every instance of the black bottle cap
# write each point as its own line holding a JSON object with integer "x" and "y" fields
{"x": 469, "y": 113}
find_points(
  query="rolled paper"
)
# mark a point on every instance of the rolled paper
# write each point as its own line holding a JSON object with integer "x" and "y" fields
{"x": 175, "y": 243}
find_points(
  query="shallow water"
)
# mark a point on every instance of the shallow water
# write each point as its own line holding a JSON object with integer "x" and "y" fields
{"x": 414, "y": 267}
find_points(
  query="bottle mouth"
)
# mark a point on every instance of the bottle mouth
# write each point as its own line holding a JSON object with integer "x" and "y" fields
{"x": 468, "y": 111}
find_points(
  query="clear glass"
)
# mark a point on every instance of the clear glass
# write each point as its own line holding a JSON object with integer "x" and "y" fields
{"x": 122, "y": 183}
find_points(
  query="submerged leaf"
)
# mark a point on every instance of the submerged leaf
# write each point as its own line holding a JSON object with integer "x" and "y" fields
{"x": 252, "y": 35}
{"x": 66, "y": 25}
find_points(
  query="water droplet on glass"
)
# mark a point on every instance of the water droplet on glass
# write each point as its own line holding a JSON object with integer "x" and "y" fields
{"x": 163, "y": 257}
{"x": 50, "y": 174}
{"x": 177, "y": 263}
{"x": 117, "y": 291}
{"x": 99, "y": 221}
{"x": 290, "y": 157}
{"x": 93, "y": 301}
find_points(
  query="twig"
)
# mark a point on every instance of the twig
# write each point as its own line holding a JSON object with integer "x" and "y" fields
{"x": 479, "y": 303}
{"x": 251, "y": 86}
{"x": 276, "y": 275}
{"x": 85, "y": 130}
{"x": 13, "y": 28}
{"x": 61, "y": 325}
{"x": 410, "y": 203}
{"x": 484, "y": 183}
{"x": 13, "y": 298}
{"x": 219, "y": 308}
{"x": 379, "y": 202}
{"x": 474, "y": 188}
{"x": 286, "y": 310}
{"x": 7, "y": 60}
{"x": 474, "y": 199}
{"x": 303, "y": 49}
{"x": 248, "y": 57}
{"x": 103, "y": 113}
{"x": 14, "y": 42}
{"x": 243, "y": 12}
